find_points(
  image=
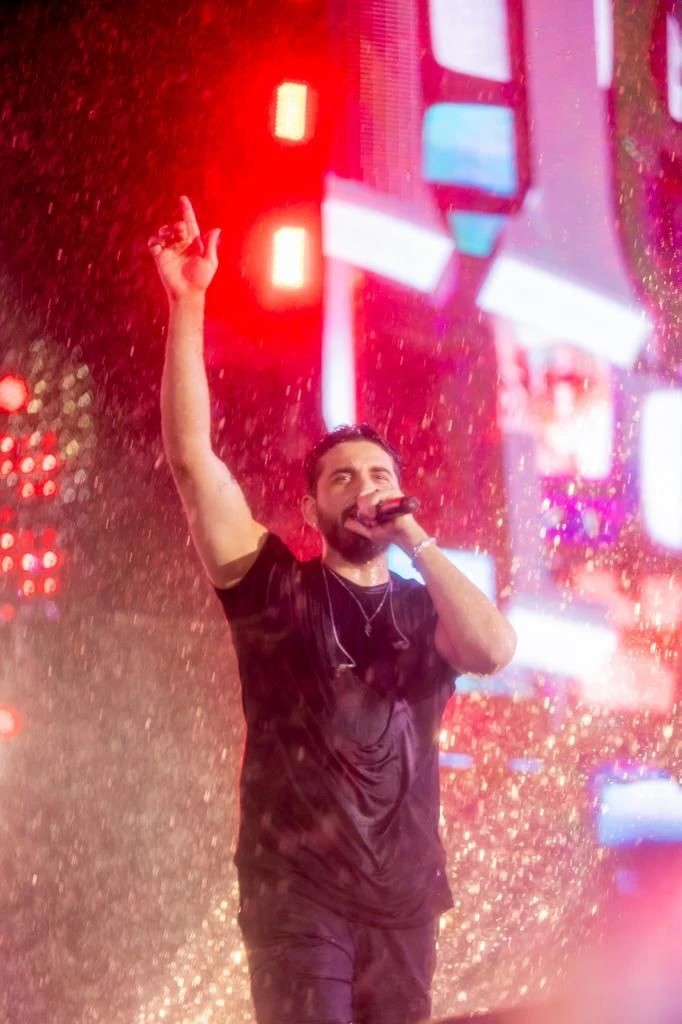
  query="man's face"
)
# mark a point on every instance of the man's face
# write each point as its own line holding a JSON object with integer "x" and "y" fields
{"x": 349, "y": 470}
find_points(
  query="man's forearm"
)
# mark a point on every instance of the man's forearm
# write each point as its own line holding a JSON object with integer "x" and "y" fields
{"x": 478, "y": 637}
{"x": 185, "y": 399}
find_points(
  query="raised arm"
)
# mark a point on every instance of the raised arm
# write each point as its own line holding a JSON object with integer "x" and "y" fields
{"x": 223, "y": 529}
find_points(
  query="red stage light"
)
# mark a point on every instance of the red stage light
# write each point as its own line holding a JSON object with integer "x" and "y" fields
{"x": 27, "y": 490}
{"x": 7, "y": 443}
{"x": 7, "y": 541}
{"x": 290, "y": 258}
{"x": 10, "y": 719}
{"x": 7, "y": 612}
{"x": 49, "y": 463}
{"x": 27, "y": 464}
{"x": 50, "y": 585}
{"x": 49, "y": 489}
{"x": 13, "y": 393}
{"x": 50, "y": 559}
{"x": 293, "y": 112}
{"x": 6, "y": 467}
{"x": 28, "y": 588}
{"x": 29, "y": 563}
{"x": 6, "y": 563}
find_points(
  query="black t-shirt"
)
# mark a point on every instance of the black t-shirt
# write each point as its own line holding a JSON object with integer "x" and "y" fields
{"x": 339, "y": 785}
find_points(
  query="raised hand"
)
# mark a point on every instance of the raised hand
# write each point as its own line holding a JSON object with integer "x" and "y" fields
{"x": 185, "y": 259}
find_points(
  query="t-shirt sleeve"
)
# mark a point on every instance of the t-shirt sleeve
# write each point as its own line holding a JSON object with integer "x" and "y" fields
{"x": 261, "y": 587}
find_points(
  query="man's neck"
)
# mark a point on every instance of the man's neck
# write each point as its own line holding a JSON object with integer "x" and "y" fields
{"x": 369, "y": 574}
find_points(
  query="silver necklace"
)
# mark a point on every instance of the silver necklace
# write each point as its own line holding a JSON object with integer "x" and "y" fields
{"x": 369, "y": 619}
{"x": 400, "y": 645}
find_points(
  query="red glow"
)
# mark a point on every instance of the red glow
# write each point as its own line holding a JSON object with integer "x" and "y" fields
{"x": 10, "y": 720}
{"x": 6, "y": 563}
{"x": 29, "y": 562}
{"x": 7, "y": 612}
{"x": 50, "y": 559}
{"x": 6, "y": 467}
{"x": 49, "y": 463}
{"x": 28, "y": 588}
{"x": 28, "y": 490}
{"x": 7, "y": 541}
{"x": 13, "y": 393}
{"x": 50, "y": 585}
{"x": 7, "y": 443}
{"x": 27, "y": 465}
{"x": 49, "y": 489}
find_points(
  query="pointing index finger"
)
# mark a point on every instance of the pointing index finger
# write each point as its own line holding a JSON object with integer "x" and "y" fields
{"x": 190, "y": 219}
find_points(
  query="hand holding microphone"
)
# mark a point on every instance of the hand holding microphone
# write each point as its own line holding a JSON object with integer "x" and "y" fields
{"x": 387, "y": 510}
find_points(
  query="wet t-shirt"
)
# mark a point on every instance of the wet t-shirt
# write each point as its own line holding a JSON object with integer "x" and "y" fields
{"x": 339, "y": 786}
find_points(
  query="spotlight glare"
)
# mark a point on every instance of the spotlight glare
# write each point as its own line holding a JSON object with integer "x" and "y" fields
{"x": 289, "y": 246}
{"x": 292, "y": 108}
{"x": 10, "y": 720}
{"x": 13, "y": 393}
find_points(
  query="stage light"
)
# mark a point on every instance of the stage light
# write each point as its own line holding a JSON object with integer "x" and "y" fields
{"x": 28, "y": 589}
{"x": 660, "y": 466}
{"x": 293, "y": 112}
{"x": 10, "y": 719}
{"x": 289, "y": 257}
{"x": 557, "y": 642}
{"x": 49, "y": 489}
{"x": 476, "y": 233}
{"x": 338, "y": 347}
{"x": 633, "y": 811}
{"x": 603, "y": 29}
{"x": 49, "y": 463}
{"x": 13, "y": 393}
{"x": 6, "y": 563}
{"x": 558, "y": 309}
{"x": 7, "y": 541}
{"x": 50, "y": 559}
{"x": 471, "y": 39}
{"x": 50, "y": 585}
{"x": 27, "y": 464}
{"x": 361, "y": 233}
{"x": 28, "y": 490}
{"x": 7, "y": 444}
{"x": 6, "y": 467}
{"x": 472, "y": 145}
{"x": 674, "y": 61}
{"x": 29, "y": 563}
{"x": 632, "y": 680}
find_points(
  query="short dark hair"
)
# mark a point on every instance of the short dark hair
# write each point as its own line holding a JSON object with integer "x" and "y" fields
{"x": 346, "y": 432}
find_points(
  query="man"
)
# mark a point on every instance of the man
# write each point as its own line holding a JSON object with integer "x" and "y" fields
{"x": 345, "y": 673}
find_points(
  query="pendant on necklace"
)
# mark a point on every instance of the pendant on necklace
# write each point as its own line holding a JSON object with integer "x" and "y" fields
{"x": 368, "y": 629}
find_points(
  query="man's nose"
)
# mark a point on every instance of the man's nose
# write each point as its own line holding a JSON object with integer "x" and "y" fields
{"x": 366, "y": 486}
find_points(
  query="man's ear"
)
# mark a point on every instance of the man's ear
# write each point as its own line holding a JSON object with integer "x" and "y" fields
{"x": 309, "y": 510}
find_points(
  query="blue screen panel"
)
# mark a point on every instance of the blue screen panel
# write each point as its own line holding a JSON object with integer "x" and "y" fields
{"x": 471, "y": 145}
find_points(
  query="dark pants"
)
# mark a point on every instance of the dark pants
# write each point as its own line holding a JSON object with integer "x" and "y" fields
{"x": 308, "y": 965}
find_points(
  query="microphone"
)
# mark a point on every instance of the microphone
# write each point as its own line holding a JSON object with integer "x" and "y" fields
{"x": 391, "y": 508}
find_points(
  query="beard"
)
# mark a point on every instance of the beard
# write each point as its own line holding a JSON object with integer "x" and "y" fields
{"x": 350, "y": 545}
